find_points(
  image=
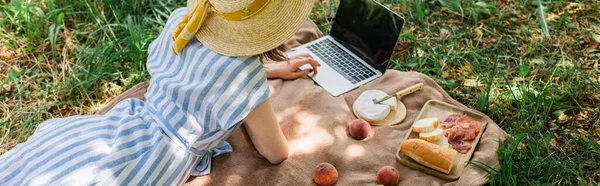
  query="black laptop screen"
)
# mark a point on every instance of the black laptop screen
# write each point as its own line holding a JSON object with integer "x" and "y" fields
{"x": 368, "y": 29}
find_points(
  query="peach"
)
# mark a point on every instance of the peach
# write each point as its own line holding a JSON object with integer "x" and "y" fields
{"x": 388, "y": 175}
{"x": 325, "y": 174}
{"x": 359, "y": 129}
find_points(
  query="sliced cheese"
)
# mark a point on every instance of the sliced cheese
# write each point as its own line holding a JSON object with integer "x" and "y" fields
{"x": 368, "y": 110}
{"x": 425, "y": 125}
{"x": 434, "y": 135}
{"x": 442, "y": 142}
{"x": 391, "y": 102}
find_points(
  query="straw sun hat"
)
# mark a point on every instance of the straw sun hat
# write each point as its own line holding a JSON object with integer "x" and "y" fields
{"x": 241, "y": 27}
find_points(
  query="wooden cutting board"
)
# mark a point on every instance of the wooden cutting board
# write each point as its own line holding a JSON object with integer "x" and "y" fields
{"x": 441, "y": 110}
{"x": 397, "y": 116}
{"x": 393, "y": 118}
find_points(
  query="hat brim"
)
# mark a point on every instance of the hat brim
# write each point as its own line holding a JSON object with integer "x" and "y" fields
{"x": 267, "y": 30}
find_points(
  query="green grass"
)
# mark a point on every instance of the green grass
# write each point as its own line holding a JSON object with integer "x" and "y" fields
{"x": 539, "y": 79}
{"x": 66, "y": 57}
{"x": 543, "y": 89}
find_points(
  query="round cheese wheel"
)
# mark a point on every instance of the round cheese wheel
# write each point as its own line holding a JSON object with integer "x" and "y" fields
{"x": 368, "y": 110}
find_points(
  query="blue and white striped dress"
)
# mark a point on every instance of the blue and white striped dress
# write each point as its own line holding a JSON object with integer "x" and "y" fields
{"x": 195, "y": 101}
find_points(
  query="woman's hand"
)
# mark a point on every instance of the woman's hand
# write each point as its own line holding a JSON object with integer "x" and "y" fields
{"x": 289, "y": 70}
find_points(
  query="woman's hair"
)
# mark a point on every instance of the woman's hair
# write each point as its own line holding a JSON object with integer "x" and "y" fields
{"x": 275, "y": 55}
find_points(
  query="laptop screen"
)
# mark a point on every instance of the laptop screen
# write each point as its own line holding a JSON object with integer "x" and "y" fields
{"x": 367, "y": 29}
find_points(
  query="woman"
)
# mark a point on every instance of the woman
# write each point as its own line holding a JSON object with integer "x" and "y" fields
{"x": 199, "y": 93}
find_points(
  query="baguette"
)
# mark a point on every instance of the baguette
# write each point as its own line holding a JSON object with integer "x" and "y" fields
{"x": 425, "y": 125}
{"x": 429, "y": 154}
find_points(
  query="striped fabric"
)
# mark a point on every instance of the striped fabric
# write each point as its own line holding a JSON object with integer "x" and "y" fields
{"x": 195, "y": 101}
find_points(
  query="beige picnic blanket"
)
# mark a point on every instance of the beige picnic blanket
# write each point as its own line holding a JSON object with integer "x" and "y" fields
{"x": 315, "y": 125}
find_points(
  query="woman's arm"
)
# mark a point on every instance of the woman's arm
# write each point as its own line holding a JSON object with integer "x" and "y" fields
{"x": 285, "y": 70}
{"x": 265, "y": 133}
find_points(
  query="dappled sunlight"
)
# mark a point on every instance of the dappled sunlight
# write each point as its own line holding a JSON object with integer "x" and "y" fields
{"x": 178, "y": 153}
{"x": 272, "y": 89}
{"x": 42, "y": 180}
{"x": 101, "y": 148}
{"x": 310, "y": 142}
{"x": 287, "y": 112}
{"x": 94, "y": 107}
{"x": 354, "y": 151}
{"x": 341, "y": 132}
{"x": 310, "y": 128}
{"x": 309, "y": 122}
{"x": 83, "y": 176}
{"x": 199, "y": 180}
{"x": 473, "y": 83}
{"x": 517, "y": 91}
{"x": 233, "y": 179}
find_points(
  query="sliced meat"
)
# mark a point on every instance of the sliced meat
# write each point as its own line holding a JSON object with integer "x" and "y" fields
{"x": 458, "y": 133}
{"x": 461, "y": 146}
{"x": 469, "y": 134}
{"x": 453, "y": 134}
{"x": 461, "y": 132}
{"x": 450, "y": 120}
{"x": 467, "y": 122}
{"x": 455, "y": 137}
{"x": 469, "y": 125}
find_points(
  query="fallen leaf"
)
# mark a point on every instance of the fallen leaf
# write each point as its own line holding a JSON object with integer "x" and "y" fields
{"x": 582, "y": 131}
{"x": 505, "y": 2}
{"x": 520, "y": 15}
{"x": 445, "y": 74}
{"x": 420, "y": 52}
{"x": 551, "y": 17}
{"x": 598, "y": 132}
{"x": 563, "y": 117}
{"x": 444, "y": 32}
{"x": 5, "y": 53}
{"x": 538, "y": 61}
{"x": 397, "y": 9}
{"x": 467, "y": 68}
{"x": 521, "y": 146}
{"x": 584, "y": 114}
{"x": 7, "y": 86}
{"x": 592, "y": 43}
{"x": 489, "y": 42}
{"x": 553, "y": 142}
{"x": 443, "y": 63}
{"x": 519, "y": 79}
{"x": 470, "y": 83}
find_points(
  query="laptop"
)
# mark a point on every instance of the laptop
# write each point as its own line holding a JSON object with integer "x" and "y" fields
{"x": 361, "y": 42}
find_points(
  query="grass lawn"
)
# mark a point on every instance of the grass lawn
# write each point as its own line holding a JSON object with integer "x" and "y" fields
{"x": 532, "y": 66}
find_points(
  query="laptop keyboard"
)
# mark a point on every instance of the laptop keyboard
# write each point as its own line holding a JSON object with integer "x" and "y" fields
{"x": 341, "y": 61}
